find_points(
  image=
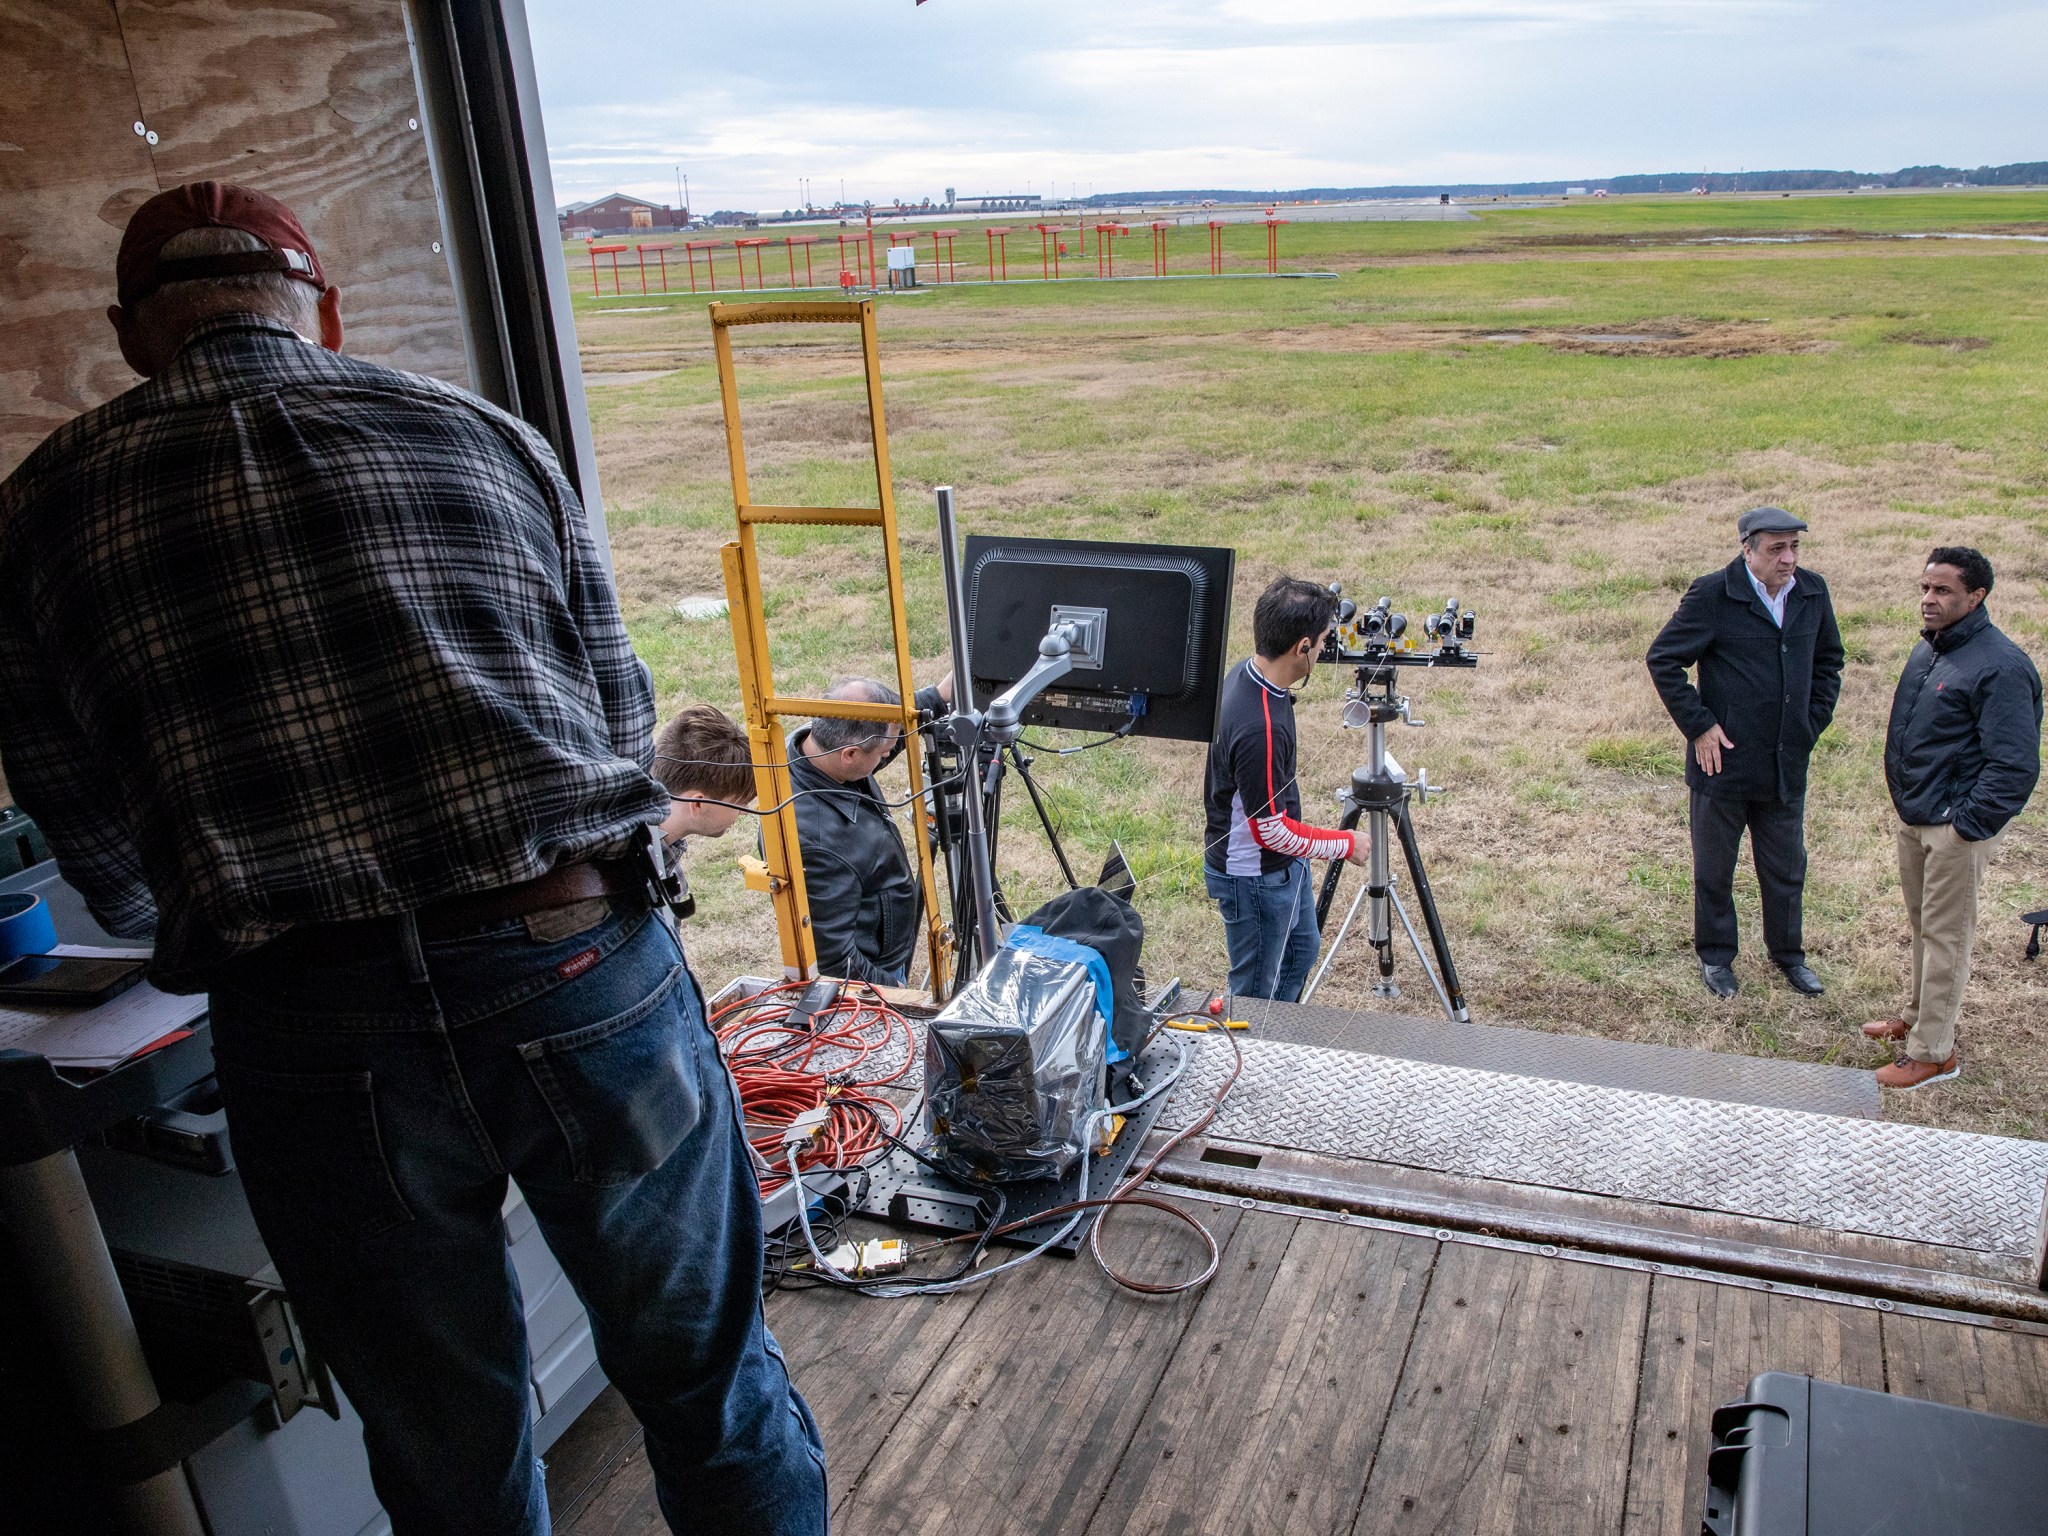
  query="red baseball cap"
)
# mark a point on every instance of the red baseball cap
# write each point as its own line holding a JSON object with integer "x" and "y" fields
{"x": 212, "y": 205}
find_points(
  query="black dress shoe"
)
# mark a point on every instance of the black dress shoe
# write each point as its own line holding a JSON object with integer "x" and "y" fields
{"x": 1800, "y": 978}
{"x": 1720, "y": 980}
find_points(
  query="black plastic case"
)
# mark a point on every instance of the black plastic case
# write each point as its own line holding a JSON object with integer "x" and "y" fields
{"x": 1811, "y": 1458}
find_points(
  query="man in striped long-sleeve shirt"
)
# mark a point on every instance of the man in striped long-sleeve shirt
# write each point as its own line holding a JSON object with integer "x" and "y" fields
{"x": 1257, "y": 853}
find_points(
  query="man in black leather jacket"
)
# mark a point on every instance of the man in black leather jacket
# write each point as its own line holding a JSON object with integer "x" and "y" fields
{"x": 858, "y": 877}
{"x": 1762, "y": 634}
{"x": 1961, "y": 757}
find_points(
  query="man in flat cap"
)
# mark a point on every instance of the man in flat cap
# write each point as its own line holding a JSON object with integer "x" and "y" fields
{"x": 1761, "y": 635}
{"x": 313, "y": 671}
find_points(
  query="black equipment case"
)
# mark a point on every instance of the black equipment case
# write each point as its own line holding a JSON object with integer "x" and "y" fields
{"x": 1810, "y": 1458}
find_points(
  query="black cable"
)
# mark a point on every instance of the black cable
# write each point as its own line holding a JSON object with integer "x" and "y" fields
{"x": 796, "y": 795}
{"x": 1104, "y": 740}
{"x": 705, "y": 762}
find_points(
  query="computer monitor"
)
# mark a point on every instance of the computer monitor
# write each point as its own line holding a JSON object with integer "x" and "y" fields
{"x": 1158, "y": 618}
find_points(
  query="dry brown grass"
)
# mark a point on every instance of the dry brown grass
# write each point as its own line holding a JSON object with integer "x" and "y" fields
{"x": 1561, "y": 854}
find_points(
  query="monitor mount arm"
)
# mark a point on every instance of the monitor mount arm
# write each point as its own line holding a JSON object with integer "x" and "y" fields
{"x": 1055, "y": 661}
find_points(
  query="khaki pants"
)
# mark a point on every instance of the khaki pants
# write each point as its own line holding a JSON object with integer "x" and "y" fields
{"x": 1941, "y": 877}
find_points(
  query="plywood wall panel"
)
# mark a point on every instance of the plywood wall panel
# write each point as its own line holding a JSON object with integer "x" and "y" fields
{"x": 71, "y": 171}
{"x": 314, "y": 102}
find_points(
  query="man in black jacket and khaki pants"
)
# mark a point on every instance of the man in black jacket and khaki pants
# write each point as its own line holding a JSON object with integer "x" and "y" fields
{"x": 1961, "y": 756}
{"x": 1762, "y": 634}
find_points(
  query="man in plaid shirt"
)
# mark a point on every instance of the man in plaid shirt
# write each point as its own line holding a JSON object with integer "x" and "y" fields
{"x": 312, "y": 670}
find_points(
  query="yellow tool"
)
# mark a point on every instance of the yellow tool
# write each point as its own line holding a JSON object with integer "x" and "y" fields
{"x": 1202, "y": 1026}
{"x": 780, "y": 872}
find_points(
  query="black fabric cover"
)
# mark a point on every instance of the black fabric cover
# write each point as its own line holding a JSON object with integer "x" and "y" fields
{"x": 1112, "y": 928}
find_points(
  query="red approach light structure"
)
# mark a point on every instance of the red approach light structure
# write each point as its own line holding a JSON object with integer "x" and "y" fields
{"x": 710, "y": 250}
{"x": 1105, "y": 247}
{"x": 1050, "y": 249}
{"x": 661, "y": 259}
{"x": 942, "y": 260}
{"x": 861, "y": 240}
{"x": 1159, "y": 229}
{"x": 806, "y": 241}
{"x": 1273, "y": 242}
{"x": 1216, "y": 228}
{"x": 754, "y": 245}
{"x": 999, "y": 250}
{"x": 612, "y": 251}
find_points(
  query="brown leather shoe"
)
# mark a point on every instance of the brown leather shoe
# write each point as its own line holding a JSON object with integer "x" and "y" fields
{"x": 1907, "y": 1073}
{"x": 1887, "y": 1029}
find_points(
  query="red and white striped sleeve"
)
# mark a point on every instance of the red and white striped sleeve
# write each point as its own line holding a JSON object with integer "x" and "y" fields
{"x": 1274, "y": 830}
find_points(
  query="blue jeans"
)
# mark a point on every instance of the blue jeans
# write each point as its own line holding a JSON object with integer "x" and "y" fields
{"x": 378, "y": 1104}
{"x": 1269, "y": 926}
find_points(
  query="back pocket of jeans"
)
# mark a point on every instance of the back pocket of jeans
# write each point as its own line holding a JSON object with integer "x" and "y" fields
{"x": 624, "y": 1091}
{"x": 312, "y": 1140}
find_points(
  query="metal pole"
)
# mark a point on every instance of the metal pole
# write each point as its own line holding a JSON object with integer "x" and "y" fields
{"x": 1379, "y": 929}
{"x": 980, "y": 871}
{"x": 78, "y": 1297}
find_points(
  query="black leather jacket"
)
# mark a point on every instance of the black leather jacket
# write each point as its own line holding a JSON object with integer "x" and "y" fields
{"x": 1964, "y": 743}
{"x": 863, "y": 893}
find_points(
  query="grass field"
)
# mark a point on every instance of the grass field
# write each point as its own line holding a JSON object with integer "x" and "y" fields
{"x": 1448, "y": 415}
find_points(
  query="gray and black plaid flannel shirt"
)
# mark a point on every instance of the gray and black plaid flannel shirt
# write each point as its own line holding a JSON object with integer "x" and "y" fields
{"x": 288, "y": 638}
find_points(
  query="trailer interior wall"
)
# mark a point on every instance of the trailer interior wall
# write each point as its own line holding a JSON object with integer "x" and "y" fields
{"x": 313, "y": 101}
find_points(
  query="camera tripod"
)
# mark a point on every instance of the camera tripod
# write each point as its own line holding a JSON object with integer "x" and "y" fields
{"x": 950, "y": 834}
{"x": 1380, "y": 796}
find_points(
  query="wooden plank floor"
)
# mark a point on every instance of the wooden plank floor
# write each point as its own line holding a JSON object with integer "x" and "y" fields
{"x": 1331, "y": 1379}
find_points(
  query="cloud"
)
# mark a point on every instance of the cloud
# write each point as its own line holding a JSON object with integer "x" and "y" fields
{"x": 999, "y": 95}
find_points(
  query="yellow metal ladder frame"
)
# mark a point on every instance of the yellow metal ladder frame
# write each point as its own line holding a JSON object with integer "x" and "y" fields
{"x": 783, "y": 874}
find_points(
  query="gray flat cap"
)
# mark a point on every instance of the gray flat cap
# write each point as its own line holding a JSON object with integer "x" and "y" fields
{"x": 1768, "y": 520}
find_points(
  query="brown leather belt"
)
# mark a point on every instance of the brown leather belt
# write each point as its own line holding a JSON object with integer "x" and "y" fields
{"x": 587, "y": 880}
{"x": 622, "y": 881}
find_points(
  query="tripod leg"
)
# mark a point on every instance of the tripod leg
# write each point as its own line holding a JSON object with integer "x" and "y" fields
{"x": 1422, "y": 957}
{"x": 1455, "y": 1001}
{"x": 1044, "y": 820}
{"x": 1327, "y": 896}
{"x": 1337, "y": 943}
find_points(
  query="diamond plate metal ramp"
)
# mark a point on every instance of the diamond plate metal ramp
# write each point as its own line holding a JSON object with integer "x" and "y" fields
{"x": 1848, "y": 1175}
{"x": 1572, "y": 1058}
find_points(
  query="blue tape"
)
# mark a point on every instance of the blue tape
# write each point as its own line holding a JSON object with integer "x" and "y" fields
{"x": 25, "y": 926}
{"x": 1037, "y": 941}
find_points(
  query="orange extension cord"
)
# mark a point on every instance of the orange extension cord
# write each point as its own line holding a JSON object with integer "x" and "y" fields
{"x": 783, "y": 1071}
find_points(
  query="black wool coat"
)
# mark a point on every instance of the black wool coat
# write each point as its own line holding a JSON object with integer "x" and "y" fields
{"x": 1772, "y": 691}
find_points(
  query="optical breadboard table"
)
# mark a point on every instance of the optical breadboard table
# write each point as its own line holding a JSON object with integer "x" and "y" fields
{"x": 904, "y": 1192}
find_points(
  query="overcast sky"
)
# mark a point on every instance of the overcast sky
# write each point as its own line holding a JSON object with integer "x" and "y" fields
{"x": 899, "y": 100}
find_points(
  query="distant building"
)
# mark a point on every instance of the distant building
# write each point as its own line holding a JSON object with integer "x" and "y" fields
{"x": 1008, "y": 202}
{"x": 621, "y": 214}
{"x": 1574, "y": 191}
